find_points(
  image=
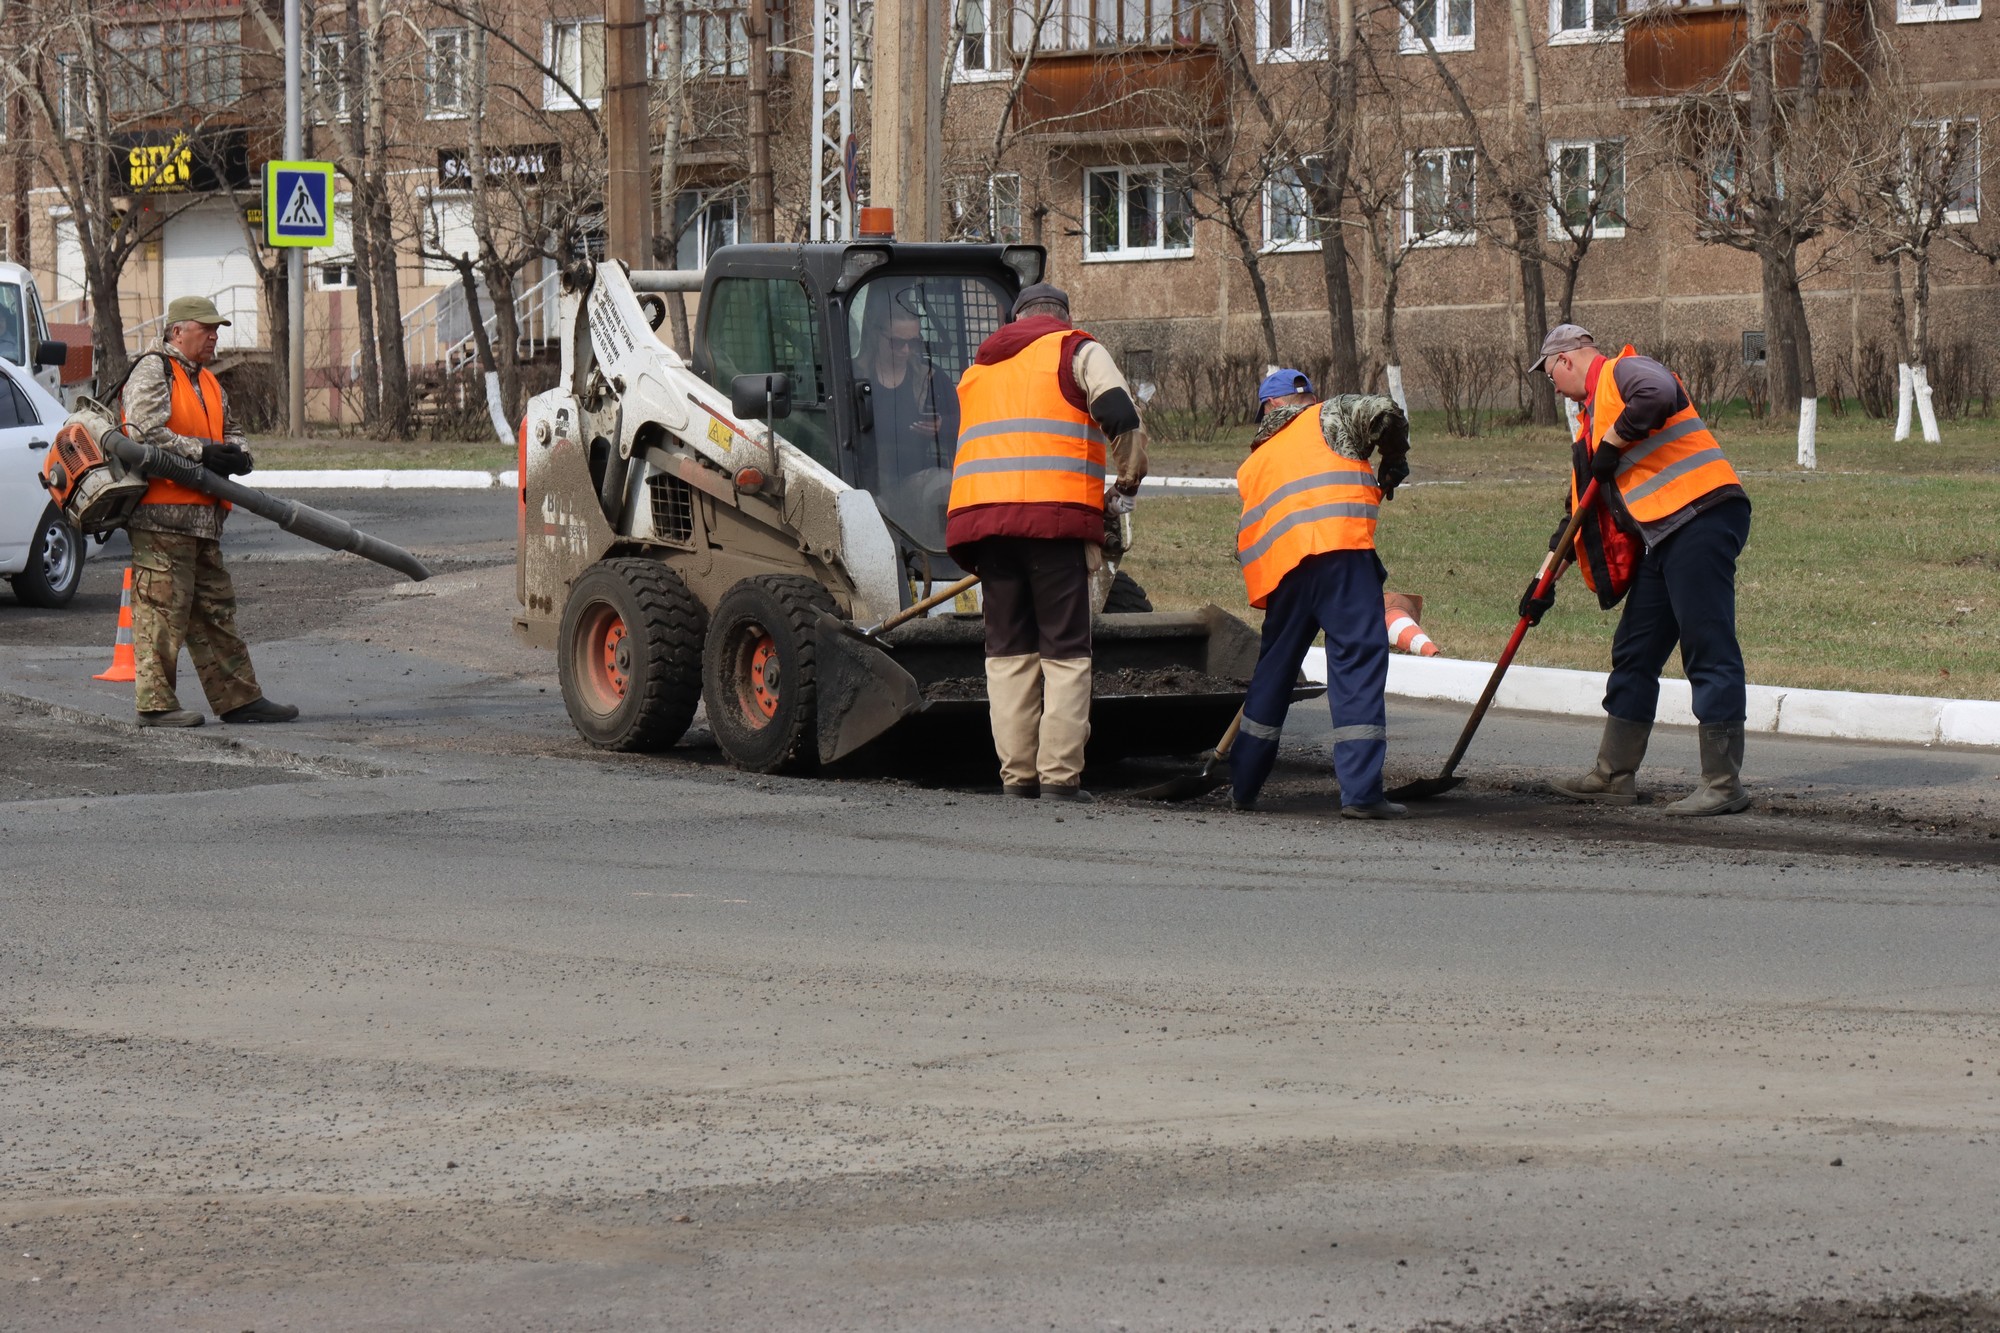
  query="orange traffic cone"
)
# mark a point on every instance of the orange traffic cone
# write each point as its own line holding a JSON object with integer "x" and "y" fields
{"x": 1401, "y": 610}
{"x": 123, "y": 665}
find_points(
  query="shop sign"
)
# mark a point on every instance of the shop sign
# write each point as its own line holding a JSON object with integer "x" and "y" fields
{"x": 177, "y": 162}
{"x": 525, "y": 164}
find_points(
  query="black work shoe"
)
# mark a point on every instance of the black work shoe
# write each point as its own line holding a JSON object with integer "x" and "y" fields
{"x": 1075, "y": 793}
{"x": 1242, "y": 805}
{"x": 260, "y": 709}
{"x": 1379, "y": 810}
{"x": 1027, "y": 791}
{"x": 171, "y": 717}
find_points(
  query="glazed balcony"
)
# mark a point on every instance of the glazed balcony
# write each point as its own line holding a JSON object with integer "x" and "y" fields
{"x": 1674, "y": 49}
{"x": 1100, "y": 94}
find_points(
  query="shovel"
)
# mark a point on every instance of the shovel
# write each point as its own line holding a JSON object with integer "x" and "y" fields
{"x": 1558, "y": 560}
{"x": 1190, "y": 785}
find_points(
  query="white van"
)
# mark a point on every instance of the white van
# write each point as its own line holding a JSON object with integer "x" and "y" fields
{"x": 24, "y": 330}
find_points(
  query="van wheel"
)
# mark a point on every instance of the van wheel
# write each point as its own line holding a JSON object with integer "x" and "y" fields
{"x": 759, "y": 672}
{"x": 1126, "y": 595}
{"x": 629, "y": 655}
{"x": 55, "y": 563}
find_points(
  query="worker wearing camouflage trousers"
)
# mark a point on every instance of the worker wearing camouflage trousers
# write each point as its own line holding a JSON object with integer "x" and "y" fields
{"x": 181, "y": 593}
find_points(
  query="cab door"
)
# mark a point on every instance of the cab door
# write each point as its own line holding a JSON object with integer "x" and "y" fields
{"x": 24, "y": 443}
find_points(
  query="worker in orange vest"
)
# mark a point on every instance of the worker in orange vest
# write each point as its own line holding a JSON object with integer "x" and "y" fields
{"x": 1675, "y": 520}
{"x": 1306, "y": 545}
{"x": 1049, "y": 441}
{"x": 181, "y": 592}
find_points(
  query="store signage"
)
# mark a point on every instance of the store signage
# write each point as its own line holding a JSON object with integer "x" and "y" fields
{"x": 526, "y": 164}
{"x": 177, "y": 162}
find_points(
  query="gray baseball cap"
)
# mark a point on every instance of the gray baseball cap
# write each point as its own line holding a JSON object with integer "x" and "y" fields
{"x": 1041, "y": 291}
{"x": 1562, "y": 338}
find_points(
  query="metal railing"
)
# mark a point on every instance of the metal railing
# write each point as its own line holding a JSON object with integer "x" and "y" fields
{"x": 140, "y": 336}
{"x": 432, "y": 330}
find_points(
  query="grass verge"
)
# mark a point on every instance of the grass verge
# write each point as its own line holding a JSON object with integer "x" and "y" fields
{"x": 273, "y": 453}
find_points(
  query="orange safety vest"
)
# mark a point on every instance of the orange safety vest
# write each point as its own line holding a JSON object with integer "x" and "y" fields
{"x": 1019, "y": 440}
{"x": 1667, "y": 471}
{"x": 197, "y": 416}
{"x": 1300, "y": 498}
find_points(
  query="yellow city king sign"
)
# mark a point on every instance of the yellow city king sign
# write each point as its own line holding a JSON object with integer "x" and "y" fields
{"x": 298, "y": 203}
{"x": 155, "y": 168}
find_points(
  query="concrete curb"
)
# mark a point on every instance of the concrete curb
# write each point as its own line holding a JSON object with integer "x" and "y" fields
{"x": 1775, "y": 710}
{"x": 378, "y": 479}
{"x": 1227, "y": 485}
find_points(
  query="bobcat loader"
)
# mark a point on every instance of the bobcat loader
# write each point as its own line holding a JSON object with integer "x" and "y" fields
{"x": 716, "y": 530}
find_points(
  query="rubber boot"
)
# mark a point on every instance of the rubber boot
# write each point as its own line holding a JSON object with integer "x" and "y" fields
{"x": 1614, "y": 780}
{"x": 1014, "y": 696}
{"x": 1721, "y": 790}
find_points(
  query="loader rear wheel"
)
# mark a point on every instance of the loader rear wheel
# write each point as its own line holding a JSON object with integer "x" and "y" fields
{"x": 759, "y": 672}
{"x": 629, "y": 655}
{"x": 1126, "y": 595}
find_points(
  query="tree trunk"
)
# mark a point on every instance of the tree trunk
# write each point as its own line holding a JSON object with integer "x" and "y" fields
{"x": 364, "y": 236}
{"x": 666, "y": 236}
{"x": 1247, "y": 252}
{"x": 1527, "y": 211}
{"x": 1345, "y": 372}
{"x": 101, "y": 270}
{"x": 395, "y": 419}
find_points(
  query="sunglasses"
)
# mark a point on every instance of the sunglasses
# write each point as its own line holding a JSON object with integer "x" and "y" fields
{"x": 900, "y": 344}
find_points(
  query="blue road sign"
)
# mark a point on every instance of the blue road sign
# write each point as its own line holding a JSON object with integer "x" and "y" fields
{"x": 298, "y": 203}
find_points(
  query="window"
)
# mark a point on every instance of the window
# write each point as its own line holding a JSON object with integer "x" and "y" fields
{"x": 330, "y": 76}
{"x": 1582, "y": 21}
{"x": 1290, "y": 220}
{"x": 447, "y": 231}
{"x": 213, "y": 59}
{"x": 574, "y": 52}
{"x": 445, "y": 71}
{"x": 1136, "y": 213}
{"x": 1082, "y": 25}
{"x": 985, "y": 208}
{"x": 1003, "y": 209}
{"x": 333, "y": 268}
{"x": 715, "y": 40}
{"x": 1440, "y": 202}
{"x": 1292, "y": 29}
{"x": 1941, "y": 11}
{"x": 707, "y": 222}
{"x": 978, "y": 55}
{"x": 1448, "y": 24}
{"x": 1720, "y": 200}
{"x": 72, "y": 93}
{"x": 1589, "y": 188}
{"x": 752, "y": 326}
{"x": 1941, "y": 159}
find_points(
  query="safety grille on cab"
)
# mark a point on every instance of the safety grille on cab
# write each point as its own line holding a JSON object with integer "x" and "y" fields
{"x": 673, "y": 508}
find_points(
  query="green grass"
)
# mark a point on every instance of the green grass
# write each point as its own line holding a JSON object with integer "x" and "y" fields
{"x": 338, "y": 453}
{"x": 1879, "y": 572}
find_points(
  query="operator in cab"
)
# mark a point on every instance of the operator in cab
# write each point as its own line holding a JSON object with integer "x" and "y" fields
{"x": 914, "y": 404}
{"x": 1050, "y": 440}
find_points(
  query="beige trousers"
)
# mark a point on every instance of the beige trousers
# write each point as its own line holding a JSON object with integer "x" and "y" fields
{"x": 1041, "y": 717}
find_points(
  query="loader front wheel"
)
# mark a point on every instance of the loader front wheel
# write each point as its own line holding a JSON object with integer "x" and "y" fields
{"x": 629, "y": 655}
{"x": 759, "y": 672}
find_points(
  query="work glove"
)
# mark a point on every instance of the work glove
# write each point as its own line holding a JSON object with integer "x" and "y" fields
{"x": 225, "y": 460}
{"x": 1391, "y": 473}
{"x": 1604, "y": 463}
{"x": 1117, "y": 502}
{"x": 1556, "y": 537}
{"x": 1533, "y": 607}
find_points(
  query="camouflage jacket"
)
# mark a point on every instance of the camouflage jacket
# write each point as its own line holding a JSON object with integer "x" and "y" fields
{"x": 1355, "y": 425}
{"x": 148, "y": 401}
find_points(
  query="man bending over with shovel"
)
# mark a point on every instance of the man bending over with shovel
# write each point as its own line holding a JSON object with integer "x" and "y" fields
{"x": 1306, "y": 544}
{"x": 1675, "y": 520}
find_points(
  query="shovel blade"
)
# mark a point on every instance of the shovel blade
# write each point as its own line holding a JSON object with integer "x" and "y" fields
{"x": 1423, "y": 789}
{"x": 862, "y": 691}
{"x": 1188, "y": 786}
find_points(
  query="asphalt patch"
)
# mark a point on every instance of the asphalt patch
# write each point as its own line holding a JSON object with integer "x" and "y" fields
{"x": 1973, "y": 1313}
{"x": 47, "y": 757}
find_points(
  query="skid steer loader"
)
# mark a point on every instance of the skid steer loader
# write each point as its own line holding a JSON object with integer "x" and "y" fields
{"x": 714, "y": 530}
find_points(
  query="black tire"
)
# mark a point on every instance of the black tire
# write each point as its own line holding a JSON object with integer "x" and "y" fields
{"x": 55, "y": 563}
{"x": 1126, "y": 595}
{"x": 629, "y": 655}
{"x": 765, "y": 720}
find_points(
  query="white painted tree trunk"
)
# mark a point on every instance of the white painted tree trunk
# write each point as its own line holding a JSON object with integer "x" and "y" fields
{"x": 1809, "y": 433}
{"x": 1574, "y": 413}
{"x": 1926, "y": 414}
{"x": 1906, "y": 390}
{"x": 1394, "y": 374}
{"x": 495, "y": 410}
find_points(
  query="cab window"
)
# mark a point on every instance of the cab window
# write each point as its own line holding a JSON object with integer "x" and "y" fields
{"x": 759, "y": 325}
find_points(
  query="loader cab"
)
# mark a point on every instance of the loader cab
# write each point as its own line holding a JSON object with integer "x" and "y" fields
{"x": 875, "y": 337}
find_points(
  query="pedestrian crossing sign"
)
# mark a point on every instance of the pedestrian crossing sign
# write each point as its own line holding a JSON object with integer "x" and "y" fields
{"x": 298, "y": 203}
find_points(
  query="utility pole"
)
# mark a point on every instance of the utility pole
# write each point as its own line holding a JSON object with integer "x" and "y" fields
{"x": 295, "y": 256}
{"x": 628, "y": 215}
{"x": 905, "y": 129}
{"x": 762, "y": 222}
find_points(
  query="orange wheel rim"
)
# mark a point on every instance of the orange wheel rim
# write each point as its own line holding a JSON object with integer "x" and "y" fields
{"x": 764, "y": 679}
{"x": 614, "y": 659}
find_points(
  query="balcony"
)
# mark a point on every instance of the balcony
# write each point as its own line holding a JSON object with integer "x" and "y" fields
{"x": 1162, "y": 92}
{"x": 1675, "y": 49}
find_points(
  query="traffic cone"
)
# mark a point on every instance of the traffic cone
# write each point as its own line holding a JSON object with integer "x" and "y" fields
{"x": 123, "y": 665}
{"x": 1400, "y": 611}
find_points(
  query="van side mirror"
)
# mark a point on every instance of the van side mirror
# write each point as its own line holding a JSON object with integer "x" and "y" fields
{"x": 51, "y": 353}
{"x": 761, "y": 397}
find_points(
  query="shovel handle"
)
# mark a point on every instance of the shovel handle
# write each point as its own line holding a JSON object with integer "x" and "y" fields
{"x": 911, "y": 612}
{"x": 1223, "y": 746}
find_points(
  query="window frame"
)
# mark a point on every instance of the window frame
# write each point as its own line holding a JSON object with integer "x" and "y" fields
{"x": 999, "y": 61}
{"x": 339, "y": 110}
{"x": 1589, "y": 33}
{"x": 697, "y": 225}
{"x": 1599, "y": 230}
{"x": 1410, "y": 44}
{"x": 1953, "y": 217}
{"x": 1439, "y": 239}
{"x": 553, "y": 96}
{"x": 1295, "y": 245}
{"x": 1268, "y": 49}
{"x": 1940, "y": 12}
{"x": 1127, "y": 253}
{"x": 433, "y": 109}
{"x": 993, "y": 235}
{"x": 339, "y": 256}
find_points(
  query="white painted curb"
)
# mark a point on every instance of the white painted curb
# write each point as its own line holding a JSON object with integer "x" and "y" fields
{"x": 1227, "y": 485}
{"x": 1826, "y": 714}
{"x": 376, "y": 479}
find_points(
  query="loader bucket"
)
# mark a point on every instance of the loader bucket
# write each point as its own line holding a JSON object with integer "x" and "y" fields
{"x": 862, "y": 692}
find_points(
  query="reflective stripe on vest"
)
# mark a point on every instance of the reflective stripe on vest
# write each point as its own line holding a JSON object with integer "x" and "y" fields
{"x": 1300, "y": 499}
{"x": 1020, "y": 441}
{"x": 1669, "y": 469}
{"x": 195, "y": 415}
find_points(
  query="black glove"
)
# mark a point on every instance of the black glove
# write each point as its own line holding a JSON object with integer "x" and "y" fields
{"x": 225, "y": 460}
{"x": 1556, "y": 537}
{"x": 1604, "y": 463}
{"x": 1533, "y": 607}
{"x": 1391, "y": 473}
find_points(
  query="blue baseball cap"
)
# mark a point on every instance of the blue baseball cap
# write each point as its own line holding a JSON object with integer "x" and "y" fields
{"x": 1279, "y": 383}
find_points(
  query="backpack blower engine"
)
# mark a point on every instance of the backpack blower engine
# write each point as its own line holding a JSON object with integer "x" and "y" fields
{"x": 98, "y": 474}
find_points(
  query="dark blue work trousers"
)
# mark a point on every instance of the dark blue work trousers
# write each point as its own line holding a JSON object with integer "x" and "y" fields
{"x": 1684, "y": 592}
{"x": 1341, "y": 593}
